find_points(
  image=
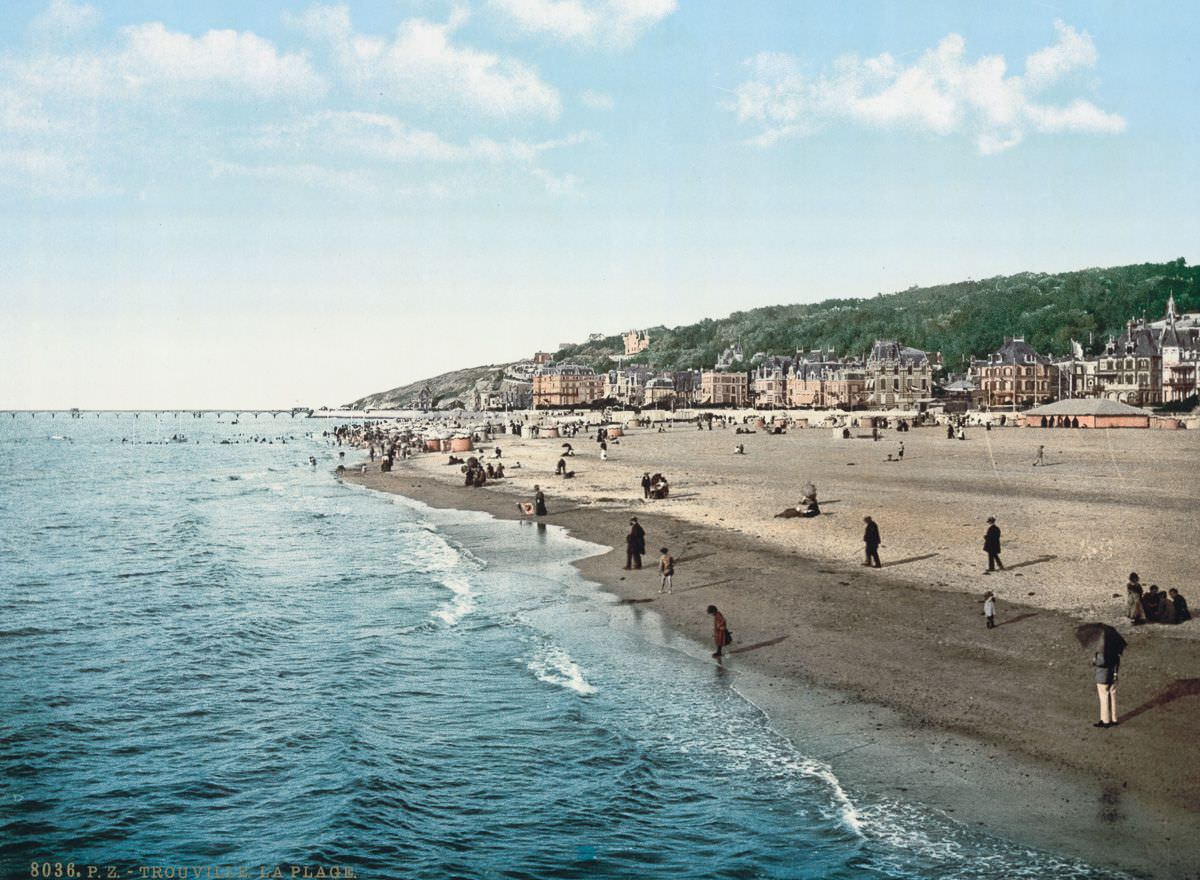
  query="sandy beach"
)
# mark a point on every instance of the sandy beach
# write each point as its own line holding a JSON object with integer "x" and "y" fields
{"x": 915, "y": 698}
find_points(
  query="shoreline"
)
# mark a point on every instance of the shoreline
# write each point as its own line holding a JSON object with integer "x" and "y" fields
{"x": 957, "y": 735}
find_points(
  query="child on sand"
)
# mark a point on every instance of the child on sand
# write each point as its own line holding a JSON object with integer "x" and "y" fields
{"x": 989, "y": 609}
{"x": 721, "y": 634}
{"x": 666, "y": 566}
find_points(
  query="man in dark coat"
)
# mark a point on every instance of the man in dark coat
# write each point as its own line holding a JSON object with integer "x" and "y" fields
{"x": 871, "y": 540}
{"x": 646, "y": 485}
{"x": 1180, "y": 605}
{"x": 635, "y": 545}
{"x": 991, "y": 545}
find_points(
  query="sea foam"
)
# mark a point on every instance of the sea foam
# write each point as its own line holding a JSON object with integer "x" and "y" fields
{"x": 553, "y": 665}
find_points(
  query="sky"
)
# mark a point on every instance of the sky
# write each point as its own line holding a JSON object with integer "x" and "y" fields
{"x": 274, "y": 204}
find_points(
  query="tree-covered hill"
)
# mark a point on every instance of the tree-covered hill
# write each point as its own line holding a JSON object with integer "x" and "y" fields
{"x": 962, "y": 320}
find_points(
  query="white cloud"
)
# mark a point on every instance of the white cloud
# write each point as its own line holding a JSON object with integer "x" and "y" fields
{"x": 218, "y": 62}
{"x": 1079, "y": 115}
{"x": 305, "y": 174}
{"x": 387, "y": 138}
{"x": 51, "y": 174}
{"x": 941, "y": 93}
{"x": 63, "y": 21}
{"x": 596, "y": 100}
{"x": 556, "y": 185}
{"x": 422, "y": 65}
{"x": 619, "y": 23}
{"x": 21, "y": 114}
{"x": 1073, "y": 51}
{"x": 150, "y": 59}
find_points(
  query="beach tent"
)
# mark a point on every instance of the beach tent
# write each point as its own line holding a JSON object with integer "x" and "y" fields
{"x": 1091, "y": 413}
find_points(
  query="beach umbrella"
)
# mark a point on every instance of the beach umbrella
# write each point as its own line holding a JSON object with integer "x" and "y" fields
{"x": 1100, "y": 637}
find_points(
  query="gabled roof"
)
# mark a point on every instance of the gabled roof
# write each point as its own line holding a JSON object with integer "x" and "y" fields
{"x": 1087, "y": 406}
{"x": 1137, "y": 340}
{"x": 891, "y": 350}
{"x": 1016, "y": 351}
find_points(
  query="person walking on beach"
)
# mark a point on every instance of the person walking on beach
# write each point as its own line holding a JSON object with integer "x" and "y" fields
{"x": 721, "y": 634}
{"x": 646, "y": 485}
{"x": 635, "y": 545}
{"x": 666, "y": 567}
{"x": 1106, "y": 664}
{"x": 872, "y": 542}
{"x": 1041, "y": 456}
{"x": 901, "y": 453}
{"x": 991, "y": 545}
{"x": 539, "y": 501}
{"x": 989, "y": 609}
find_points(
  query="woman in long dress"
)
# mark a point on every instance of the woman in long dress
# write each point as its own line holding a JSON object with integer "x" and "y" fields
{"x": 1133, "y": 600}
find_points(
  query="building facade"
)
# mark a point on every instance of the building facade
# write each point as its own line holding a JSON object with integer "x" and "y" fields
{"x": 1013, "y": 376}
{"x": 1130, "y": 369}
{"x": 897, "y": 376}
{"x": 1179, "y": 346}
{"x": 636, "y": 341}
{"x": 724, "y": 388}
{"x": 819, "y": 379}
{"x": 627, "y": 385}
{"x": 566, "y": 385}
{"x": 770, "y": 383}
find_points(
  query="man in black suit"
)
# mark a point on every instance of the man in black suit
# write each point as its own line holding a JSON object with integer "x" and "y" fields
{"x": 635, "y": 545}
{"x": 991, "y": 544}
{"x": 871, "y": 540}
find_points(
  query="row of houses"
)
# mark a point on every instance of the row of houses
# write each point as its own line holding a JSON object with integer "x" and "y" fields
{"x": 1149, "y": 364}
{"x": 892, "y": 375}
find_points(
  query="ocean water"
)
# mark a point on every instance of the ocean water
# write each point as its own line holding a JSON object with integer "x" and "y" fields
{"x": 216, "y": 658}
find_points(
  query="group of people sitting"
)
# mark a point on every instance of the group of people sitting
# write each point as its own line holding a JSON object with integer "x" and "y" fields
{"x": 478, "y": 474}
{"x": 1153, "y": 605}
{"x": 808, "y": 506}
{"x": 655, "y": 486}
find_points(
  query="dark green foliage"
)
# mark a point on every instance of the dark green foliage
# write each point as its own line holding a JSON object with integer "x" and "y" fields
{"x": 962, "y": 320}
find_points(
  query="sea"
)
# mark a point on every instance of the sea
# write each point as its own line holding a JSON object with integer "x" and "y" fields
{"x": 217, "y": 660}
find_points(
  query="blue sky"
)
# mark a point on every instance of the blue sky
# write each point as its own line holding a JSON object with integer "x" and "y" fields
{"x": 232, "y": 204}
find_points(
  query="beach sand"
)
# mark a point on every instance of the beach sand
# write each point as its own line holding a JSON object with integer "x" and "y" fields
{"x": 890, "y": 675}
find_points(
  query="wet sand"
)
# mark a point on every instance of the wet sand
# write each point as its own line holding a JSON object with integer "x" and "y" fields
{"x": 890, "y": 675}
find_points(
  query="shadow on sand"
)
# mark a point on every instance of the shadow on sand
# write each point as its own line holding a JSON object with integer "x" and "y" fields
{"x": 1038, "y": 561}
{"x": 908, "y": 560}
{"x": 756, "y": 646}
{"x": 702, "y": 586}
{"x": 1181, "y": 687}
{"x": 1016, "y": 619}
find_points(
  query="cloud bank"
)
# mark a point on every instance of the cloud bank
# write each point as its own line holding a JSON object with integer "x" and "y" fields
{"x": 616, "y": 23}
{"x": 942, "y": 93}
{"x": 422, "y": 64}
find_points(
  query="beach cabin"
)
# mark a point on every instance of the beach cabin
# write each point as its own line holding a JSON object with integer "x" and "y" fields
{"x": 1090, "y": 413}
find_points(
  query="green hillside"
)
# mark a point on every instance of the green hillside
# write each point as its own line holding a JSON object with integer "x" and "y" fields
{"x": 965, "y": 319}
{"x": 962, "y": 320}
